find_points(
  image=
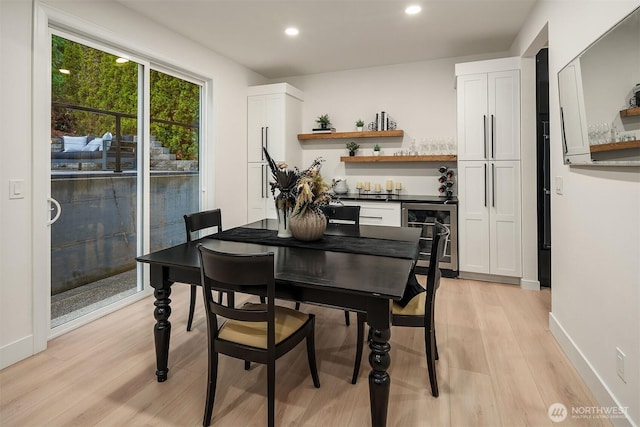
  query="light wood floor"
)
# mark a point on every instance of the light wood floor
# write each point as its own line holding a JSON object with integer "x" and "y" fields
{"x": 499, "y": 366}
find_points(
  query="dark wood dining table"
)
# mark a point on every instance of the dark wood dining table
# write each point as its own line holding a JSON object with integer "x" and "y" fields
{"x": 359, "y": 268}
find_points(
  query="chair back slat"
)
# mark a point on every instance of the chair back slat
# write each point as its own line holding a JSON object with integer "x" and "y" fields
{"x": 202, "y": 220}
{"x": 440, "y": 235}
{"x": 342, "y": 214}
{"x": 224, "y": 270}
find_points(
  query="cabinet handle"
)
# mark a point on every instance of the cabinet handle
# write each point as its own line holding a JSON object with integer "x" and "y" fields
{"x": 485, "y": 185}
{"x": 370, "y": 217}
{"x": 262, "y": 181}
{"x": 266, "y": 137}
{"x": 484, "y": 134}
{"x": 493, "y": 185}
{"x": 493, "y": 119}
{"x": 262, "y": 143}
{"x": 564, "y": 136}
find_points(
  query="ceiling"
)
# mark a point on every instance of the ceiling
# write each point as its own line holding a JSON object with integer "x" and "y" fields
{"x": 339, "y": 35}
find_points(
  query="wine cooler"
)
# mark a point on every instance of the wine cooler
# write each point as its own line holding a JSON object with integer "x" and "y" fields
{"x": 424, "y": 215}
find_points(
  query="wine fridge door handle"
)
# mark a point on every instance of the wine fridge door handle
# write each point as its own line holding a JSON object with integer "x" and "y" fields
{"x": 58, "y": 209}
{"x": 493, "y": 185}
{"x": 484, "y": 134}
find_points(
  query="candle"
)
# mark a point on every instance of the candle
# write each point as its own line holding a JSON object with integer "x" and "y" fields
{"x": 389, "y": 185}
{"x": 398, "y": 185}
{"x": 367, "y": 186}
{"x": 378, "y": 188}
{"x": 358, "y": 185}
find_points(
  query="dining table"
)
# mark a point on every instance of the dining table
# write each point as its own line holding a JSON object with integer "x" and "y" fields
{"x": 360, "y": 268}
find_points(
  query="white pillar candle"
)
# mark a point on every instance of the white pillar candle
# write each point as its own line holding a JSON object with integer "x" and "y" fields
{"x": 367, "y": 186}
{"x": 389, "y": 185}
{"x": 398, "y": 185}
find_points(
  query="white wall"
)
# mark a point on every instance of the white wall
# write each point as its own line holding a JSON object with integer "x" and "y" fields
{"x": 18, "y": 217}
{"x": 419, "y": 96}
{"x": 595, "y": 226}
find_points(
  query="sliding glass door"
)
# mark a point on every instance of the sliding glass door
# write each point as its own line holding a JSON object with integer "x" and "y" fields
{"x": 105, "y": 154}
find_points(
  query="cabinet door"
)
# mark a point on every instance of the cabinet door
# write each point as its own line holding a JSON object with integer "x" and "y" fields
{"x": 472, "y": 116}
{"x": 256, "y": 112}
{"x": 504, "y": 115}
{"x": 505, "y": 219}
{"x": 473, "y": 216}
{"x": 378, "y": 213}
{"x": 572, "y": 114}
{"x": 275, "y": 123}
{"x": 257, "y": 191}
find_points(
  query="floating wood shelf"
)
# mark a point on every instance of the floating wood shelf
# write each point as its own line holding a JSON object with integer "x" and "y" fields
{"x": 630, "y": 112}
{"x": 349, "y": 135}
{"x": 397, "y": 159}
{"x": 614, "y": 146}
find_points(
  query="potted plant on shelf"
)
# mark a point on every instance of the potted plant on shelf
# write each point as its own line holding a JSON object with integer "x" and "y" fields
{"x": 376, "y": 150}
{"x": 323, "y": 121}
{"x": 359, "y": 125}
{"x": 352, "y": 147}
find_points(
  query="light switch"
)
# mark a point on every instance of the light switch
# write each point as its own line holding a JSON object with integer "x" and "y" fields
{"x": 16, "y": 188}
{"x": 559, "y": 185}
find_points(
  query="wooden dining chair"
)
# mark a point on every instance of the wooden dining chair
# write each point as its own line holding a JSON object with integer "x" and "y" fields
{"x": 193, "y": 223}
{"x": 418, "y": 313}
{"x": 256, "y": 332}
{"x": 342, "y": 214}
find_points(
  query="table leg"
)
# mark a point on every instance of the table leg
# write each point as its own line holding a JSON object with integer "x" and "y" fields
{"x": 162, "y": 331}
{"x": 380, "y": 360}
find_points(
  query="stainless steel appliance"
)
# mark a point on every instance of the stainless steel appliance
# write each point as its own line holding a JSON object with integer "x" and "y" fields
{"x": 424, "y": 215}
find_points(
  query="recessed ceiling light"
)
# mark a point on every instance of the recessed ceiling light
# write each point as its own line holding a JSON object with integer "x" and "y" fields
{"x": 122, "y": 60}
{"x": 292, "y": 31}
{"x": 412, "y": 10}
{"x": 64, "y": 71}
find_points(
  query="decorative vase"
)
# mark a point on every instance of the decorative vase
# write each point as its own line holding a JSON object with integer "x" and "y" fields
{"x": 359, "y": 128}
{"x": 309, "y": 226}
{"x": 283, "y": 211}
{"x": 376, "y": 153}
{"x": 352, "y": 153}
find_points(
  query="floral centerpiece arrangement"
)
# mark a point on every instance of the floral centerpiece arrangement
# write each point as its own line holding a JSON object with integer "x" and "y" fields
{"x": 299, "y": 198}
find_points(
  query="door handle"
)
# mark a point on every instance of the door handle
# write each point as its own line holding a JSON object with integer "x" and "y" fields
{"x": 484, "y": 134}
{"x": 51, "y": 200}
{"x": 493, "y": 119}
{"x": 485, "y": 185}
{"x": 493, "y": 185}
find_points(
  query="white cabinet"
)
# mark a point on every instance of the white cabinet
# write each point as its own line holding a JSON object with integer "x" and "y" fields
{"x": 378, "y": 213}
{"x": 488, "y": 106}
{"x": 489, "y": 217}
{"x": 274, "y": 119}
{"x": 489, "y": 181}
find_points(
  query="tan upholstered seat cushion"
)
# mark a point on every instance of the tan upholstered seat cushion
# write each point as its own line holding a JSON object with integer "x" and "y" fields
{"x": 254, "y": 334}
{"x": 414, "y": 308}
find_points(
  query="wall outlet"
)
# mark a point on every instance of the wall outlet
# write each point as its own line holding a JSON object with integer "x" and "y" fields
{"x": 620, "y": 356}
{"x": 559, "y": 187}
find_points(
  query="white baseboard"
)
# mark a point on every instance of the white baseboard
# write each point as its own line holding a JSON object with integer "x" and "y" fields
{"x": 591, "y": 378}
{"x": 531, "y": 285}
{"x": 16, "y": 351}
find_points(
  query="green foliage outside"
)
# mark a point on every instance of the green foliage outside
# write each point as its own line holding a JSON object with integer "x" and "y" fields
{"x": 95, "y": 80}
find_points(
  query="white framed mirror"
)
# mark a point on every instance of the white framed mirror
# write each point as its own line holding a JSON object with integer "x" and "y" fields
{"x": 599, "y": 95}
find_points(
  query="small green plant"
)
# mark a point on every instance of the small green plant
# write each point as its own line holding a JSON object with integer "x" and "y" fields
{"x": 376, "y": 148}
{"x": 359, "y": 123}
{"x": 323, "y": 120}
{"x": 352, "y": 146}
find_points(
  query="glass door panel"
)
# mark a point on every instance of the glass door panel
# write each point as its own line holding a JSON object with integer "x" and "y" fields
{"x": 94, "y": 177}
